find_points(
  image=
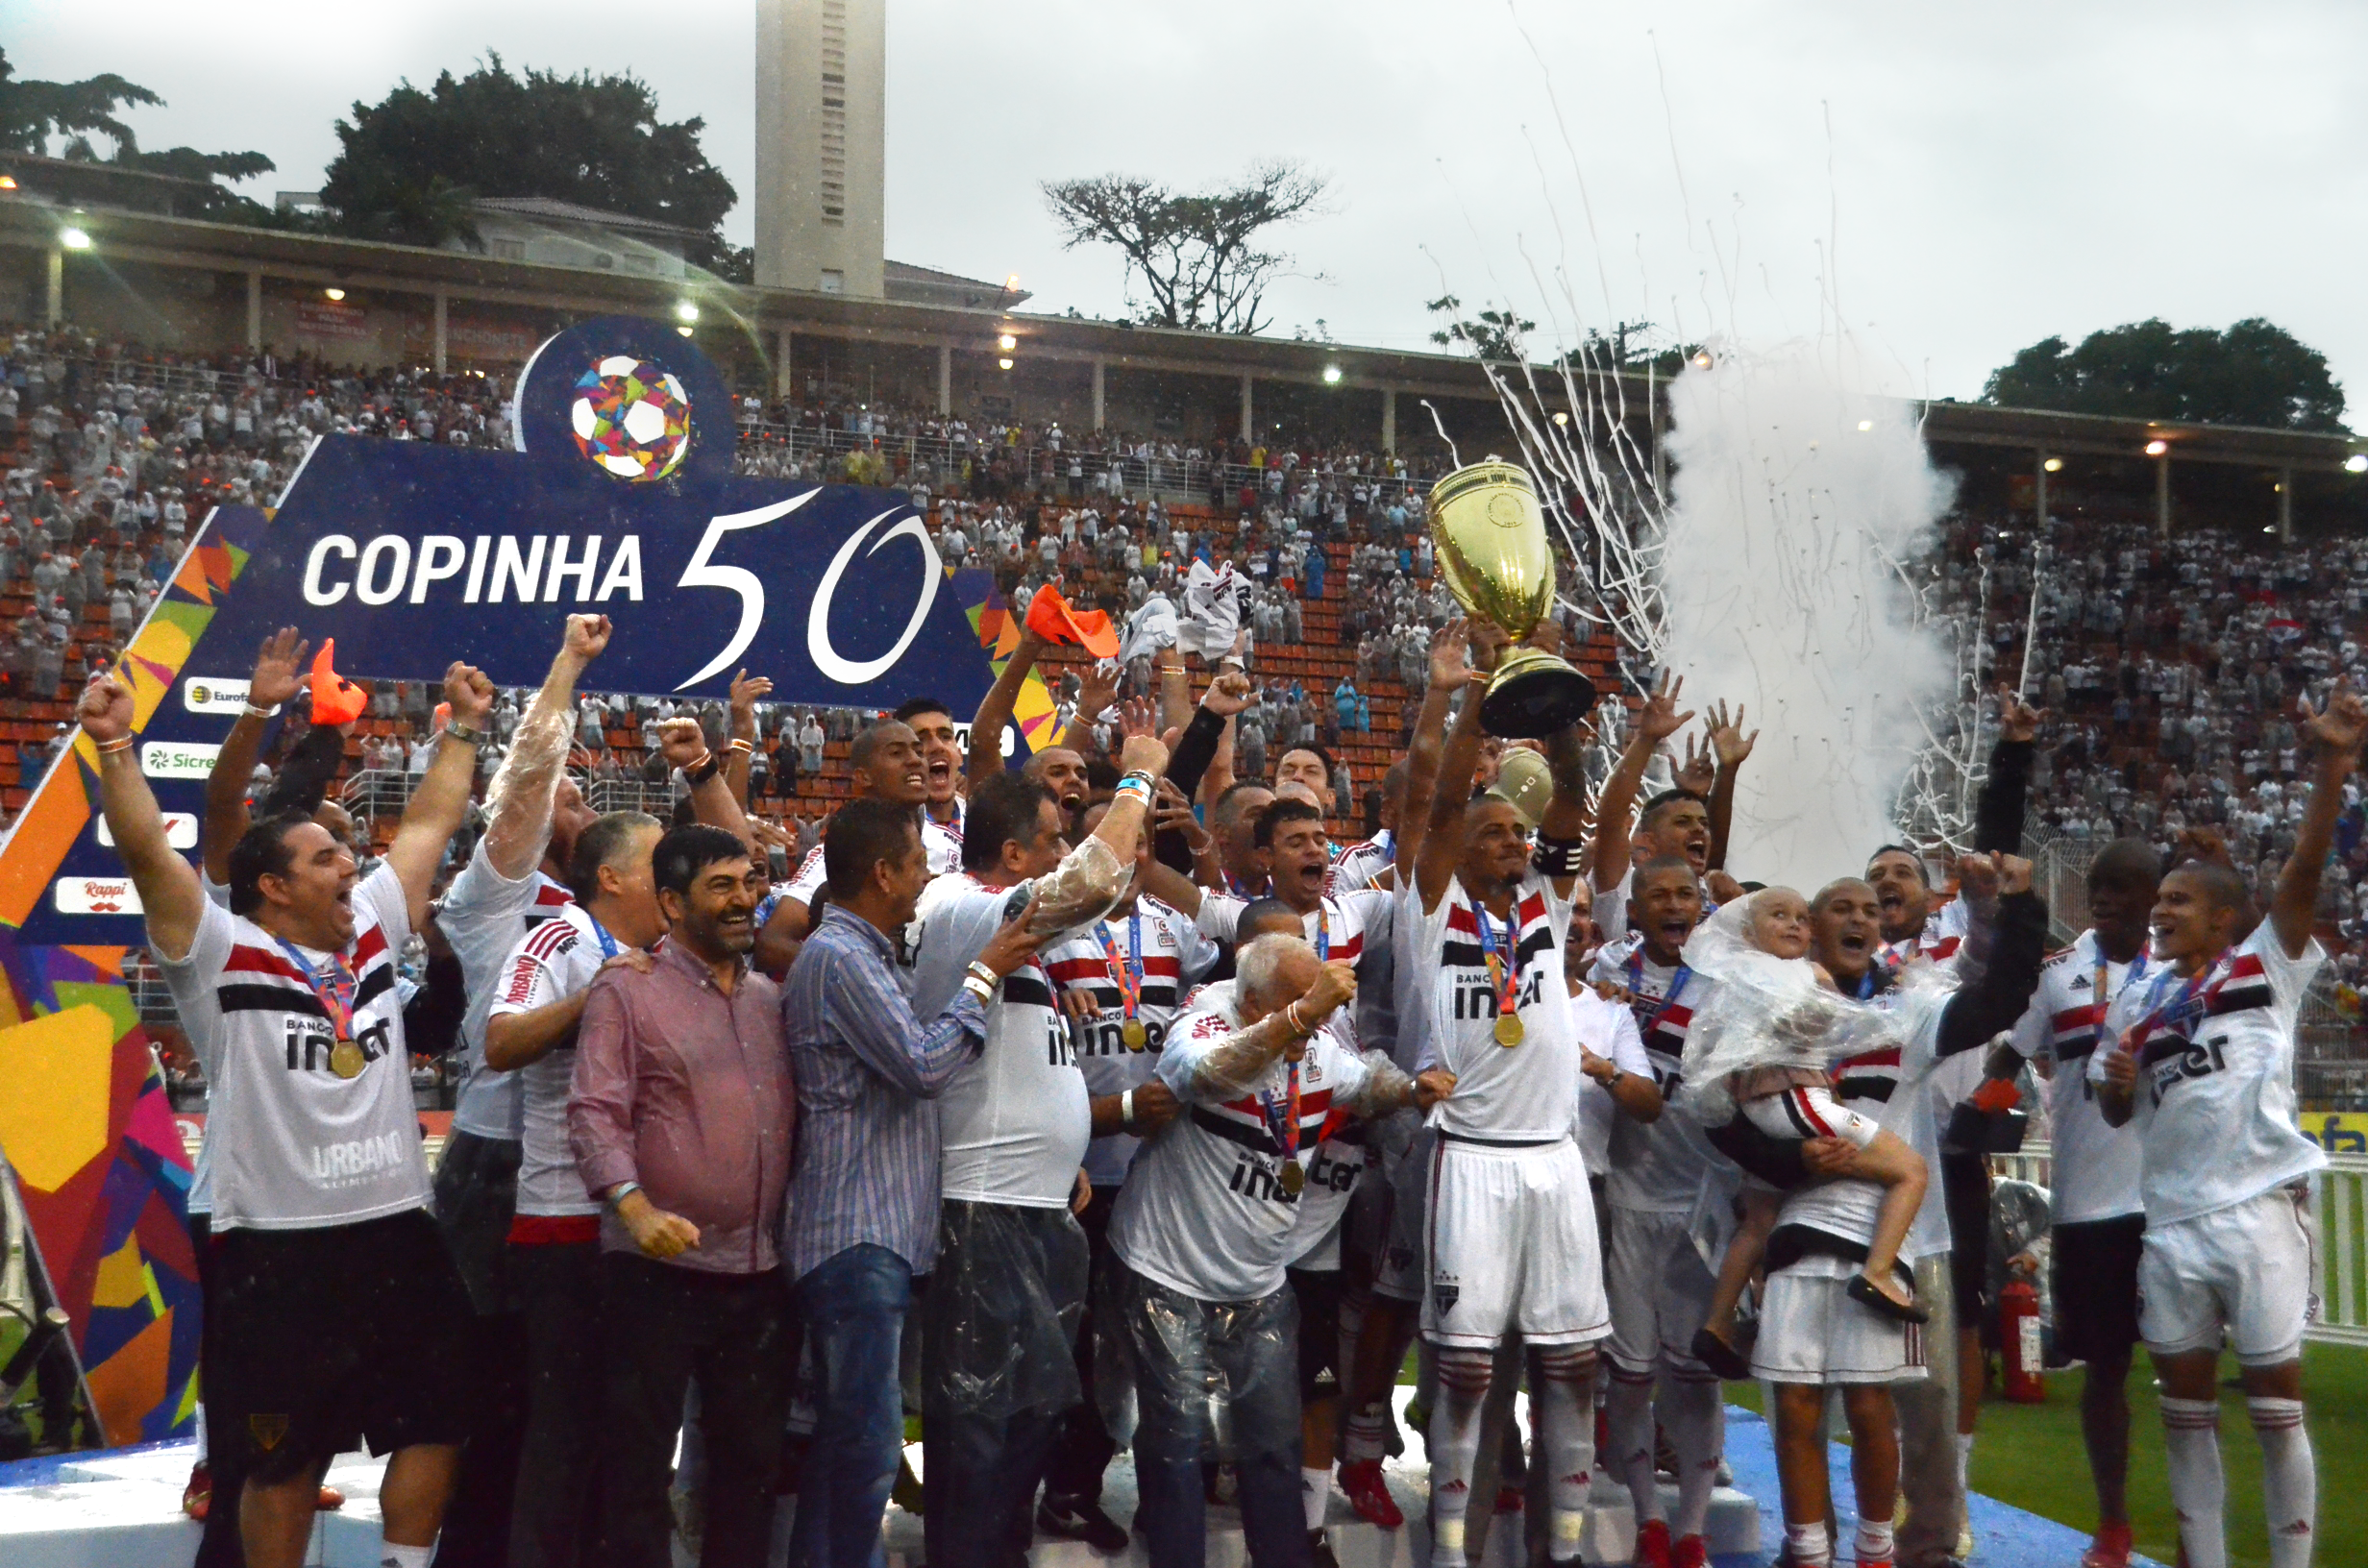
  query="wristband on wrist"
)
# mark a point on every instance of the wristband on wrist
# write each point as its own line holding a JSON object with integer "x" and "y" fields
{"x": 1293, "y": 1021}
{"x": 744, "y": 748}
{"x": 704, "y": 770}
{"x": 979, "y": 989}
{"x": 1558, "y": 857}
{"x": 980, "y": 971}
{"x": 618, "y": 1193}
{"x": 122, "y": 742}
{"x": 462, "y": 734}
{"x": 251, "y": 711}
{"x": 1127, "y": 1110}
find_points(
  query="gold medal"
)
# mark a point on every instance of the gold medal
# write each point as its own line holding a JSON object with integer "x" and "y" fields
{"x": 1293, "y": 1179}
{"x": 346, "y": 1060}
{"x": 1134, "y": 1034}
{"x": 1509, "y": 1030}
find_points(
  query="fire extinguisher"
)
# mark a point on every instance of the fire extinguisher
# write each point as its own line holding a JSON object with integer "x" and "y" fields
{"x": 2018, "y": 1331}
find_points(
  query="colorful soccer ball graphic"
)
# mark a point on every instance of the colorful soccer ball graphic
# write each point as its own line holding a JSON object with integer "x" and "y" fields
{"x": 631, "y": 418}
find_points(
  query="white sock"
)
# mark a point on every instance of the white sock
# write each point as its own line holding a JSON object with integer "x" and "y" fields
{"x": 1369, "y": 1434}
{"x": 391, "y": 1555}
{"x": 1695, "y": 1414}
{"x": 1314, "y": 1494}
{"x": 1629, "y": 1414}
{"x": 1812, "y": 1546}
{"x": 1454, "y": 1446}
{"x": 2289, "y": 1479}
{"x": 1874, "y": 1542}
{"x": 1562, "y": 1394}
{"x": 201, "y": 1430}
{"x": 2199, "y": 1491}
{"x": 1965, "y": 1462}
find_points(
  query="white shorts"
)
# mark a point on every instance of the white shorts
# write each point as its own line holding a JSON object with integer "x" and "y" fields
{"x": 1403, "y": 1264}
{"x": 1811, "y": 1332}
{"x": 1660, "y": 1292}
{"x": 1513, "y": 1248}
{"x": 1805, "y": 1113}
{"x": 2250, "y": 1269}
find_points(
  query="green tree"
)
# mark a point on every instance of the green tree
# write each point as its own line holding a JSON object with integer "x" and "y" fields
{"x": 2256, "y": 373}
{"x": 1196, "y": 253}
{"x": 413, "y": 163}
{"x": 1495, "y": 336}
{"x": 32, "y": 112}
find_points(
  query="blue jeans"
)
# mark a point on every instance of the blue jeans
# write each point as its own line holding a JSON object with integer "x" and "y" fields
{"x": 854, "y": 1306}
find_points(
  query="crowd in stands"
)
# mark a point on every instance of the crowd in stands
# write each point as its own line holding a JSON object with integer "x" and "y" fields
{"x": 2167, "y": 666}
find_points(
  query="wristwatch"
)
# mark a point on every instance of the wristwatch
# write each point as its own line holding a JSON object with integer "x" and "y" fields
{"x": 462, "y": 734}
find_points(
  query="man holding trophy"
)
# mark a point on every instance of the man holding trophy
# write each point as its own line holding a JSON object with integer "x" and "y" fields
{"x": 1510, "y": 1230}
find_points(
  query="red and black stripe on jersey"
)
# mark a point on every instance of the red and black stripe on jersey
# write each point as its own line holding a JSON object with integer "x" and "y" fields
{"x": 545, "y": 943}
{"x": 1462, "y": 948}
{"x": 1162, "y": 974}
{"x": 2238, "y": 986}
{"x": 1028, "y": 986}
{"x": 1872, "y": 1076}
{"x": 1243, "y": 1121}
{"x": 549, "y": 899}
{"x": 2073, "y": 1032}
{"x": 262, "y": 979}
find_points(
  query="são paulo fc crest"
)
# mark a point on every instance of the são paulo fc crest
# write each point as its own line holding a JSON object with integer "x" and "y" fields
{"x": 1447, "y": 1293}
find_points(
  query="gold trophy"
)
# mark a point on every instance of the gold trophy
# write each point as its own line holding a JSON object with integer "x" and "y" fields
{"x": 1489, "y": 533}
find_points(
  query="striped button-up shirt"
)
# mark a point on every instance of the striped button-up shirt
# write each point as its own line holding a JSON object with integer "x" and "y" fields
{"x": 868, "y": 1074}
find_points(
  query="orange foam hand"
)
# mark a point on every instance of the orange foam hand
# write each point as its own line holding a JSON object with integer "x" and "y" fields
{"x": 1996, "y": 1096}
{"x": 1049, "y": 617}
{"x": 335, "y": 699}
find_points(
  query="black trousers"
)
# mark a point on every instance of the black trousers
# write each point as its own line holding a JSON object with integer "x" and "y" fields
{"x": 475, "y": 1194}
{"x": 220, "y": 1546}
{"x": 663, "y": 1326}
{"x": 558, "y": 1285}
{"x": 1081, "y": 1445}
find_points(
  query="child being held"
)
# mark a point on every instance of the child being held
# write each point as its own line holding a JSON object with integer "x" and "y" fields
{"x": 1756, "y": 951}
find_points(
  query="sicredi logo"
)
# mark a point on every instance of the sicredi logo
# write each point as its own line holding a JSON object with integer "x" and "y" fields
{"x": 180, "y": 830}
{"x": 178, "y": 759}
{"x": 204, "y": 694}
{"x": 97, "y": 896}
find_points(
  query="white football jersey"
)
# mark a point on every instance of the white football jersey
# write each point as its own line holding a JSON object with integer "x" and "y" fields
{"x": 1339, "y": 928}
{"x": 1171, "y": 955}
{"x": 1891, "y": 1086}
{"x": 2096, "y": 1166}
{"x": 942, "y": 845}
{"x": 293, "y": 1146}
{"x": 1014, "y": 1123}
{"x": 554, "y": 961}
{"x": 1203, "y": 1211}
{"x": 1361, "y": 865}
{"x": 485, "y": 917}
{"x": 1658, "y": 1168}
{"x": 1519, "y": 1093}
{"x": 1603, "y": 1024}
{"x": 2215, "y": 1111}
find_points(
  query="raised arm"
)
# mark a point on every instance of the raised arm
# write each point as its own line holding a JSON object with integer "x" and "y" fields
{"x": 1093, "y": 876}
{"x": 1998, "y": 965}
{"x": 1998, "y": 815}
{"x": 1442, "y": 845}
{"x": 1196, "y": 749}
{"x": 168, "y": 887}
{"x": 741, "y": 743}
{"x": 995, "y": 709}
{"x": 1615, "y": 809}
{"x": 1094, "y": 693}
{"x": 1448, "y": 674}
{"x": 442, "y": 799}
{"x": 521, "y": 792}
{"x": 278, "y": 675}
{"x": 2335, "y": 732}
{"x": 1238, "y": 1064}
{"x": 1730, "y": 747}
{"x": 684, "y": 744}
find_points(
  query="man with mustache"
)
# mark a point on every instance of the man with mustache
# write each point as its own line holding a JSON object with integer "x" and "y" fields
{"x": 680, "y": 1117}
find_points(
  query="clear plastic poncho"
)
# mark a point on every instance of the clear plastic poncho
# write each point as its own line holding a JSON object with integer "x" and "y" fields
{"x": 1761, "y": 1011}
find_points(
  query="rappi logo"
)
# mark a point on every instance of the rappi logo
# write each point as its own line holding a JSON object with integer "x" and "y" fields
{"x": 96, "y": 896}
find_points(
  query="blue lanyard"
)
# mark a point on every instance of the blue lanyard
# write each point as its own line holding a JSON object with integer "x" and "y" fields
{"x": 1668, "y": 998}
{"x": 1866, "y": 983}
{"x": 1504, "y": 975}
{"x": 2186, "y": 1007}
{"x": 609, "y": 943}
{"x": 336, "y": 993}
{"x": 2137, "y": 967}
{"x": 1282, "y": 1113}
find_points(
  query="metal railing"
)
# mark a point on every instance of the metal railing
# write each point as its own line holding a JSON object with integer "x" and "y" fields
{"x": 2339, "y": 1206}
{"x": 606, "y": 795}
{"x": 376, "y": 792}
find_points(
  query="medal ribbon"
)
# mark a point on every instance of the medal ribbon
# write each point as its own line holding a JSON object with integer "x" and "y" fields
{"x": 1323, "y": 934}
{"x": 2186, "y": 1007}
{"x": 1504, "y": 976}
{"x": 336, "y": 993}
{"x": 1635, "y": 989}
{"x": 2137, "y": 967}
{"x": 1127, "y": 974}
{"x": 1283, "y": 1120}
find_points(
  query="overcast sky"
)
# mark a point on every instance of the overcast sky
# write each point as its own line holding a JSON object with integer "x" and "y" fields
{"x": 1979, "y": 177}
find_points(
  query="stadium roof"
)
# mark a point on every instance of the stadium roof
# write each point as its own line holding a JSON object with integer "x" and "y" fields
{"x": 27, "y": 222}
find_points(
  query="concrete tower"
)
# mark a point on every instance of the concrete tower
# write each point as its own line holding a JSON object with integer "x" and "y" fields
{"x": 821, "y": 68}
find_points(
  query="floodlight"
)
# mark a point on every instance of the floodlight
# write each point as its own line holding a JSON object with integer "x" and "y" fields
{"x": 2053, "y": 465}
{"x": 2157, "y": 447}
{"x": 74, "y": 239}
{"x": 1007, "y": 342}
{"x": 333, "y": 293}
{"x": 686, "y": 312}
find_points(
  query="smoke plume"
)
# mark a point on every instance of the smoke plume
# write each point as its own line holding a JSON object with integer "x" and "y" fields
{"x": 1800, "y": 498}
